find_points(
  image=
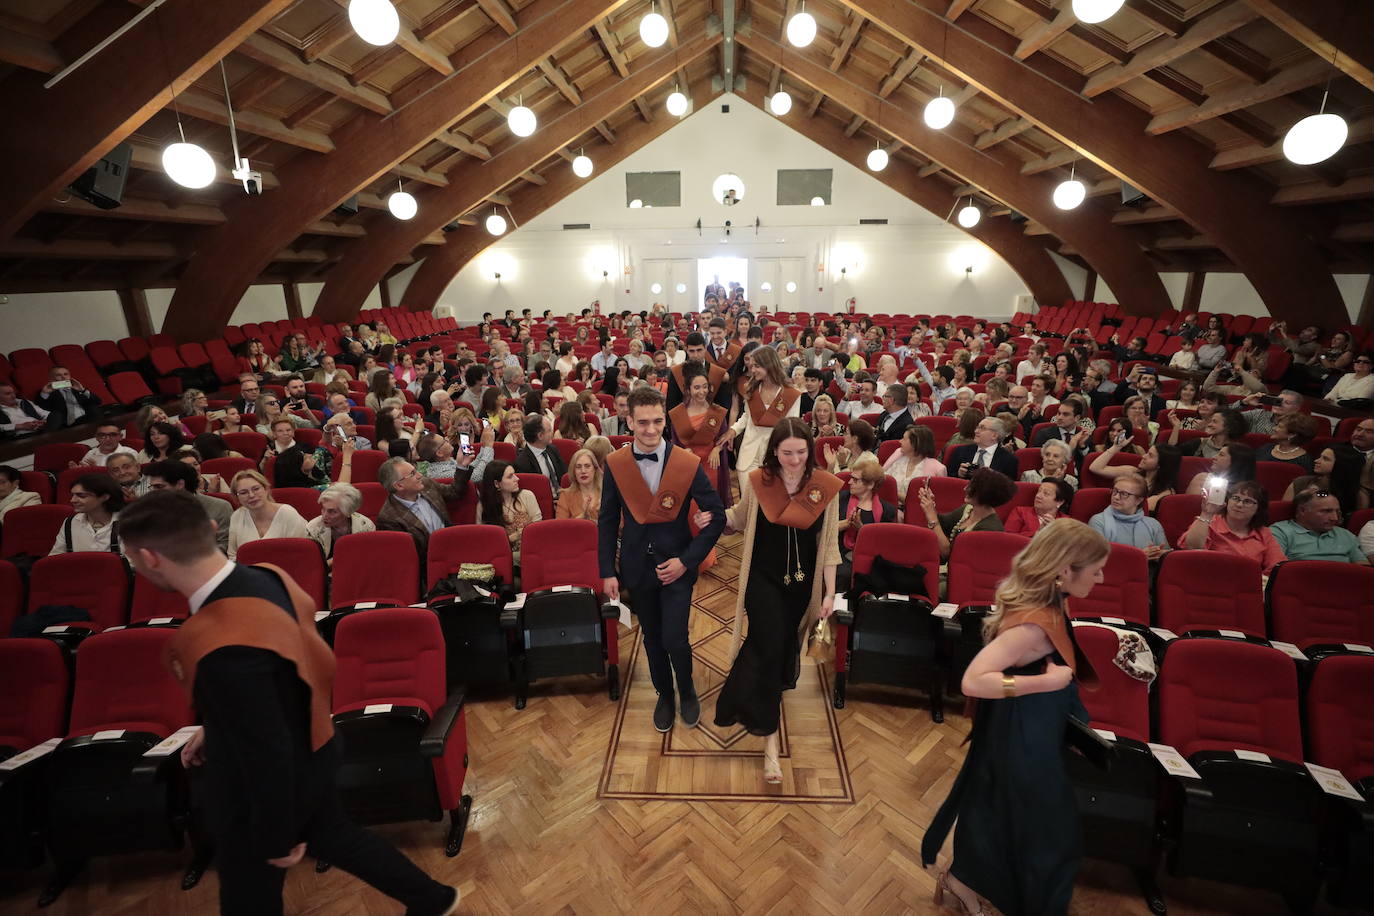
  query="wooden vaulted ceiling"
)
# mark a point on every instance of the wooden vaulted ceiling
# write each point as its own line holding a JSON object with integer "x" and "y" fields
{"x": 1185, "y": 99}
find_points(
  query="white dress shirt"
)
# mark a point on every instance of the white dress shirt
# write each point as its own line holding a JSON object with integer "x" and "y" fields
{"x": 652, "y": 471}
{"x": 97, "y": 459}
{"x": 198, "y": 596}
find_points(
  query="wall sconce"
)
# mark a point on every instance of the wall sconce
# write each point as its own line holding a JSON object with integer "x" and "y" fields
{"x": 969, "y": 270}
{"x": 498, "y": 276}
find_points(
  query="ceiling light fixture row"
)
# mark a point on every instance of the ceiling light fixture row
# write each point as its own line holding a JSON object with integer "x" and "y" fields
{"x": 801, "y": 27}
{"x": 582, "y": 165}
{"x": 653, "y": 28}
{"x": 677, "y": 102}
{"x": 877, "y": 157}
{"x": 521, "y": 120}
{"x": 969, "y": 215}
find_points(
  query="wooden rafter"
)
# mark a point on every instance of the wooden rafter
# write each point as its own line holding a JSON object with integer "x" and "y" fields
{"x": 1300, "y": 76}
{"x": 1164, "y": 51}
{"x": 271, "y": 53}
{"x": 1335, "y": 30}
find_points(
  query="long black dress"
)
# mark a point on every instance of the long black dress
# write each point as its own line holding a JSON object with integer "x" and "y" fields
{"x": 1018, "y": 839}
{"x": 769, "y": 661}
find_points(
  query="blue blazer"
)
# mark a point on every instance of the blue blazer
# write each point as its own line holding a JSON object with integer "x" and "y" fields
{"x": 667, "y": 539}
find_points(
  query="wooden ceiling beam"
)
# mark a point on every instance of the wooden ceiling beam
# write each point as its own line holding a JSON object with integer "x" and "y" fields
{"x": 1163, "y": 51}
{"x": 554, "y": 74}
{"x": 1321, "y": 192}
{"x": 1100, "y": 41}
{"x": 470, "y": 182}
{"x": 642, "y": 106}
{"x": 899, "y": 74}
{"x": 328, "y": 37}
{"x": 29, "y": 52}
{"x": 611, "y": 46}
{"x": 200, "y": 103}
{"x": 309, "y": 108}
{"x": 440, "y": 266}
{"x": 1151, "y": 214}
{"x": 1242, "y": 61}
{"x": 1115, "y": 256}
{"x": 1042, "y": 34}
{"x": 1273, "y": 250}
{"x": 1336, "y": 30}
{"x": 271, "y": 53}
{"x": 1155, "y": 15}
{"x": 848, "y": 35}
{"x": 252, "y": 88}
{"x": 605, "y": 131}
{"x": 958, "y": 8}
{"x": 463, "y": 144}
{"x": 1300, "y": 76}
{"x": 442, "y": 18}
{"x": 418, "y": 48}
{"x": 499, "y": 12}
{"x": 67, "y": 128}
{"x": 1004, "y": 131}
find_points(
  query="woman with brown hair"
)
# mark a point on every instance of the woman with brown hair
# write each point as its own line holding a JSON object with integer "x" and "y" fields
{"x": 767, "y": 399}
{"x": 571, "y": 423}
{"x": 1014, "y": 783}
{"x": 788, "y": 513}
{"x": 700, "y": 427}
{"x": 582, "y": 497}
{"x": 381, "y": 387}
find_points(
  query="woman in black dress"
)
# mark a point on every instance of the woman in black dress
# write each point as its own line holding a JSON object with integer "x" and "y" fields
{"x": 791, "y": 523}
{"x": 1018, "y": 840}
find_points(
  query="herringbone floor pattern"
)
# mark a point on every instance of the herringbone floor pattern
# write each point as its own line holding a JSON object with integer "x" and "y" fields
{"x": 546, "y": 837}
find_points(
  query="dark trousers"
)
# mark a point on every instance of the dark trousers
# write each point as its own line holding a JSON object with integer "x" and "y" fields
{"x": 249, "y": 886}
{"x": 663, "y": 612}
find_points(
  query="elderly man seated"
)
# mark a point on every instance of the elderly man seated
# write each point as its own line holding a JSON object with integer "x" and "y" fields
{"x": 340, "y": 427}
{"x": 339, "y": 516}
{"x": 109, "y": 441}
{"x": 415, "y": 503}
{"x": 19, "y": 417}
{"x": 125, "y": 471}
{"x": 1315, "y": 533}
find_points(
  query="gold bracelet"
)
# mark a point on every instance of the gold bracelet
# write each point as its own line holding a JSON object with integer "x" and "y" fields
{"x": 1008, "y": 686}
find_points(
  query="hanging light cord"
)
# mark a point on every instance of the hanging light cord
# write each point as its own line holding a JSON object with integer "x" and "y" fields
{"x": 229, "y": 104}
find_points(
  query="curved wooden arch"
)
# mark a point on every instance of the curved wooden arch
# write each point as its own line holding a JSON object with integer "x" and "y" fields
{"x": 54, "y": 135}
{"x": 1271, "y": 248}
{"x": 364, "y": 262}
{"x": 232, "y": 255}
{"x": 1108, "y": 249}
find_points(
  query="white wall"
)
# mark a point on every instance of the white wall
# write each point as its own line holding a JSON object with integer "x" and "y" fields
{"x": 47, "y": 319}
{"x": 1233, "y": 293}
{"x": 914, "y": 264}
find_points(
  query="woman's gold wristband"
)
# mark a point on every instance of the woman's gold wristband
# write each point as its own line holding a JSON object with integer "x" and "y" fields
{"x": 1008, "y": 686}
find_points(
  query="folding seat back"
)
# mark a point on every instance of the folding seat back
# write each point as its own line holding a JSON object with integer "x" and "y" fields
{"x": 374, "y": 497}
{"x": 462, "y": 509}
{"x": 1124, "y": 592}
{"x": 105, "y": 355}
{"x": 1340, "y": 716}
{"x": 32, "y": 530}
{"x": 1200, "y": 590}
{"x": 122, "y": 682}
{"x": 1223, "y": 695}
{"x": 539, "y": 485}
{"x": 66, "y": 479}
{"x": 1121, "y": 703}
{"x": 1024, "y": 496}
{"x": 1175, "y": 513}
{"x": 1318, "y": 603}
{"x": 165, "y": 360}
{"x": 301, "y": 559}
{"x": 376, "y": 566}
{"x": 217, "y": 349}
{"x": 978, "y": 562}
{"x": 227, "y": 467}
{"x": 95, "y": 581}
{"x": 193, "y": 355}
{"x": 1275, "y": 476}
{"x": 249, "y": 444}
{"x": 1089, "y": 501}
{"x": 129, "y": 389}
{"x": 834, "y": 443}
{"x": 135, "y": 349}
{"x": 11, "y": 597}
{"x": 305, "y": 500}
{"x": 152, "y": 603}
{"x": 450, "y": 548}
{"x": 33, "y": 681}
{"x": 903, "y": 546}
{"x": 560, "y": 552}
{"x": 566, "y": 448}
{"x": 54, "y": 457}
{"x": 948, "y": 491}
{"x": 31, "y": 357}
{"x": 366, "y": 462}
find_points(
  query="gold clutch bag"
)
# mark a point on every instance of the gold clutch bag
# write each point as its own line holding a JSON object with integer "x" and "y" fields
{"x": 821, "y": 643}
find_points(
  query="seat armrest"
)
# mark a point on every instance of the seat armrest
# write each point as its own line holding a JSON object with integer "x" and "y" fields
{"x": 435, "y": 738}
{"x": 608, "y": 611}
{"x": 844, "y": 617}
{"x": 16, "y": 766}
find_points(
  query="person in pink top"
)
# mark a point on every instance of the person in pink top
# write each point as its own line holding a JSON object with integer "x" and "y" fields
{"x": 914, "y": 457}
{"x": 1239, "y": 525}
{"x": 1052, "y": 500}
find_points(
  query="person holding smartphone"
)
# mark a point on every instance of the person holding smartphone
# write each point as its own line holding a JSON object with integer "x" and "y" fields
{"x": 67, "y": 401}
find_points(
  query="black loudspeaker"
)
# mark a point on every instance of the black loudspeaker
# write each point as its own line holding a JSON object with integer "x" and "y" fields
{"x": 103, "y": 183}
{"x": 348, "y": 207}
{"x": 1132, "y": 196}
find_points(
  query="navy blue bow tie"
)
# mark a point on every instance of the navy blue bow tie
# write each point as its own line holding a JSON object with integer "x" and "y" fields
{"x": 652, "y": 456}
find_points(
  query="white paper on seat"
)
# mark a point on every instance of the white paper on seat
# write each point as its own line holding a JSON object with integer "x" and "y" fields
{"x": 364, "y": 605}
{"x": 1163, "y": 633}
{"x": 109, "y": 734}
{"x": 1173, "y": 761}
{"x": 895, "y": 596}
{"x": 172, "y": 742}
{"x": 159, "y": 621}
{"x": 1333, "y": 782}
{"x": 841, "y": 603}
{"x": 376, "y": 708}
{"x": 320, "y": 615}
{"x": 482, "y": 591}
{"x": 29, "y": 756}
{"x": 1252, "y": 756}
{"x": 517, "y": 602}
{"x": 1105, "y": 733}
{"x": 57, "y": 629}
{"x": 1349, "y": 647}
{"x": 946, "y": 610}
{"x": 562, "y": 588}
{"x": 622, "y": 613}
{"x": 1232, "y": 634}
{"x": 1287, "y": 648}
{"x": 1114, "y": 621}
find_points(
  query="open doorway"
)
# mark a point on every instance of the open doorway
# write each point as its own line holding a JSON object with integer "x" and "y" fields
{"x": 721, "y": 273}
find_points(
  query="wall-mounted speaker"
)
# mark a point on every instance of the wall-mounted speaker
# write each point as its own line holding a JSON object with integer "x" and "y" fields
{"x": 103, "y": 183}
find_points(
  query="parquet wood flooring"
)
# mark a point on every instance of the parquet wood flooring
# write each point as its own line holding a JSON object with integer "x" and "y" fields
{"x": 546, "y": 837}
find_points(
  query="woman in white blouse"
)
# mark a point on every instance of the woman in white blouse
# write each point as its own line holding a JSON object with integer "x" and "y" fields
{"x": 258, "y": 516}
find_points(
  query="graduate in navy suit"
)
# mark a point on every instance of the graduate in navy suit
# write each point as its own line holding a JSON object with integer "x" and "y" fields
{"x": 651, "y": 486}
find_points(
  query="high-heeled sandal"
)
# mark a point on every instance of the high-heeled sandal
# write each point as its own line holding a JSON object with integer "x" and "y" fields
{"x": 942, "y": 887}
{"x": 772, "y": 769}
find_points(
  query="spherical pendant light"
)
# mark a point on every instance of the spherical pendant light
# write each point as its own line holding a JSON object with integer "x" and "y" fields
{"x": 375, "y": 21}
{"x": 402, "y": 205}
{"x": 1091, "y": 11}
{"x": 969, "y": 216}
{"x": 818, "y": 201}
{"x": 877, "y": 159}
{"x": 653, "y": 29}
{"x": 656, "y": 288}
{"x": 677, "y": 104}
{"x": 636, "y": 204}
{"x": 188, "y": 165}
{"x": 496, "y": 224}
{"x": 780, "y": 103}
{"x": 724, "y": 184}
{"x": 939, "y": 113}
{"x": 801, "y": 28}
{"x": 522, "y": 121}
{"x": 1070, "y": 194}
{"x": 1315, "y": 139}
{"x": 582, "y": 166}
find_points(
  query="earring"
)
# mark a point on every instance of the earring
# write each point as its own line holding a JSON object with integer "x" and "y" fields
{"x": 1059, "y": 583}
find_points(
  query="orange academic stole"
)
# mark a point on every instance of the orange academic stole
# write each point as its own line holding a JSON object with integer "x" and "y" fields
{"x": 727, "y": 359}
{"x": 775, "y": 410}
{"x": 1056, "y": 627}
{"x": 714, "y": 376}
{"x": 800, "y": 510}
{"x": 674, "y": 487}
{"x": 706, "y": 433}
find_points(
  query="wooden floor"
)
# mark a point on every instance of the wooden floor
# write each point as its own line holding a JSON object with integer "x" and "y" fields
{"x": 580, "y": 807}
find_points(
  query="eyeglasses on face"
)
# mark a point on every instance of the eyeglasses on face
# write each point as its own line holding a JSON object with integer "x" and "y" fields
{"x": 1125, "y": 494}
{"x": 107, "y": 435}
{"x": 1244, "y": 502}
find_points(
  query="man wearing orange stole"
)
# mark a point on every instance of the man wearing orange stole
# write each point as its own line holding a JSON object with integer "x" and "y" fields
{"x": 649, "y": 487}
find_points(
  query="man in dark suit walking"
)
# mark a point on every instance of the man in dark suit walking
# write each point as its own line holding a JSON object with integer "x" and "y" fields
{"x": 896, "y": 418}
{"x": 984, "y": 452}
{"x": 415, "y": 503}
{"x": 260, "y": 676}
{"x": 537, "y": 455}
{"x": 651, "y": 487}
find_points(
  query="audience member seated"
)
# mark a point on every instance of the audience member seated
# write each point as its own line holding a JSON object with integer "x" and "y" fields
{"x": 915, "y": 456}
{"x": 124, "y": 468}
{"x": 172, "y": 474}
{"x": 1366, "y": 537}
{"x": 895, "y": 418}
{"x": 1185, "y": 398}
{"x": 1222, "y": 427}
{"x": 1055, "y": 461}
{"x": 571, "y": 423}
{"x": 1315, "y": 533}
{"x": 1053, "y": 499}
{"x": 859, "y": 440}
{"x": 328, "y": 372}
{"x": 987, "y": 490}
{"x": 1212, "y": 351}
{"x": 1124, "y": 521}
{"x": 1159, "y": 466}
{"x": 97, "y": 500}
{"x": 341, "y": 427}
{"x": 109, "y": 441}
{"x": 1290, "y": 435}
{"x": 986, "y": 451}
{"x": 416, "y": 504}
{"x": 258, "y": 516}
{"x": 1143, "y": 383}
{"x": 1235, "y": 462}
{"x": 393, "y": 436}
{"x": 249, "y": 392}
{"x": 1067, "y": 428}
{"x": 296, "y": 465}
{"x": 268, "y": 410}
{"x": 1262, "y": 419}
{"x": 194, "y": 403}
{"x": 1237, "y": 525}
{"x": 501, "y": 501}
{"x": 1356, "y": 385}
{"x": 582, "y": 497}
{"x": 601, "y": 448}
{"x": 149, "y": 414}
{"x": 227, "y": 420}
{"x": 1139, "y": 419}
{"x": 968, "y": 427}
{"x": 1337, "y": 470}
{"x": 11, "y": 497}
{"x": 18, "y": 416}
{"x": 859, "y": 506}
{"x": 1184, "y": 358}
{"x": 67, "y": 401}
{"x": 1362, "y": 440}
{"x": 538, "y": 456}
{"x": 161, "y": 441}
{"x": 513, "y": 423}
{"x": 824, "y": 421}
{"x": 339, "y": 516}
